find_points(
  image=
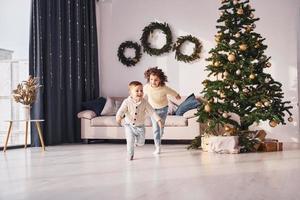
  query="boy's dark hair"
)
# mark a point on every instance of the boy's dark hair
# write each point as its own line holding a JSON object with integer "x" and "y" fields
{"x": 134, "y": 83}
{"x": 156, "y": 72}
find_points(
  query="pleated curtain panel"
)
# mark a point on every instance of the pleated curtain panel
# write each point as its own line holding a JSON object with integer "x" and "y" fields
{"x": 63, "y": 54}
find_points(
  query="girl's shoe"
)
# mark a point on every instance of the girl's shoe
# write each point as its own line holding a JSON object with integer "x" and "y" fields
{"x": 130, "y": 157}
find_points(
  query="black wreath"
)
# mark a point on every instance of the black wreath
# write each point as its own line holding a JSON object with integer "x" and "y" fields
{"x": 187, "y": 58}
{"x": 129, "y": 61}
{"x": 164, "y": 27}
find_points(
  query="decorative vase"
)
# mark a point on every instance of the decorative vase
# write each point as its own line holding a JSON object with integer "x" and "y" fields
{"x": 26, "y": 112}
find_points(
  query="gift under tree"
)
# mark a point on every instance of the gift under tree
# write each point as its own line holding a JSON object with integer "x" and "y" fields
{"x": 239, "y": 90}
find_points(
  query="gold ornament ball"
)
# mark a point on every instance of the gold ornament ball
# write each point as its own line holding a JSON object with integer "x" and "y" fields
{"x": 217, "y": 64}
{"x": 273, "y": 123}
{"x": 207, "y": 108}
{"x": 258, "y": 104}
{"x": 231, "y": 57}
{"x": 266, "y": 103}
{"x": 257, "y": 45}
{"x": 268, "y": 64}
{"x": 243, "y": 47}
{"x": 240, "y": 11}
{"x": 290, "y": 119}
{"x": 252, "y": 76}
{"x": 208, "y": 123}
{"x": 238, "y": 72}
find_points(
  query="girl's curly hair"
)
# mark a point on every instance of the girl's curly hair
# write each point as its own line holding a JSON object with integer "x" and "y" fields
{"x": 156, "y": 72}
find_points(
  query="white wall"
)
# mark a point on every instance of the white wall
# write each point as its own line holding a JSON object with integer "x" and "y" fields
{"x": 121, "y": 20}
{"x": 14, "y": 27}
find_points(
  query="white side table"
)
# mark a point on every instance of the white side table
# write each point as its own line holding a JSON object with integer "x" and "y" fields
{"x": 38, "y": 127}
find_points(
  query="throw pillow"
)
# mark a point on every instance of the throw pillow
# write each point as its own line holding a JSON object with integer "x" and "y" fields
{"x": 95, "y": 105}
{"x": 189, "y": 103}
{"x": 118, "y": 104}
{"x": 109, "y": 108}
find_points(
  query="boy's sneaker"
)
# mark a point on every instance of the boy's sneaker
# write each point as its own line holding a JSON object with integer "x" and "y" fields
{"x": 157, "y": 151}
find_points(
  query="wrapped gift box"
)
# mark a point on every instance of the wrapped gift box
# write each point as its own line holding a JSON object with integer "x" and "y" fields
{"x": 261, "y": 135}
{"x": 269, "y": 146}
{"x": 220, "y": 144}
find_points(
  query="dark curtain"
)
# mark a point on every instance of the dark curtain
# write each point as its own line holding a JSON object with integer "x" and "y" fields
{"x": 63, "y": 54}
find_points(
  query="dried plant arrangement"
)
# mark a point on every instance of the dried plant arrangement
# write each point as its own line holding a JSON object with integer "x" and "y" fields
{"x": 26, "y": 91}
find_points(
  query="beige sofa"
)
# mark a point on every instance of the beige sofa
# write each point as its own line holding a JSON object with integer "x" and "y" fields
{"x": 183, "y": 127}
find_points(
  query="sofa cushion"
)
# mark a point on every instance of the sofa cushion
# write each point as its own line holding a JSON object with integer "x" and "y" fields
{"x": 190, "y": 113}
{"x": 174, "y": 120}
{"x": 110, "y": 121}
{"x": 95, "y": 105}
{"x": 104, "y": 121}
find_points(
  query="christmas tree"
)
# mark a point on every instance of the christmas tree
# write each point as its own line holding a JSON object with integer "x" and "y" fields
{"x": 239, "y": 91}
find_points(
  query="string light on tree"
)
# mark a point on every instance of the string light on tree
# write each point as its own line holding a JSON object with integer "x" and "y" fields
{"x": 225, "y": 115}
{"x": 237, "y": 35}
{"x": 267, "y": 80}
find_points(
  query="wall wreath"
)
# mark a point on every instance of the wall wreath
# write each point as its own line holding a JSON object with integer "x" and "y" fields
{"x": 187, "y": 58}
{"x": 128, "y": 61}
{"x": 164, "y": 27}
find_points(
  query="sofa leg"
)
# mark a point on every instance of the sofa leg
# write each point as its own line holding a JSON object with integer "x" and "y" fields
{"x": 86, "y": 141}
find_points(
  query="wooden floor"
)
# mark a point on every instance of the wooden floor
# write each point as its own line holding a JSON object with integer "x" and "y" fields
{"x": 101, "y": 171}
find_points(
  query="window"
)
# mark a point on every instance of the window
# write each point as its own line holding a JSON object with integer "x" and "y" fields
{"x": 14, "y": 51}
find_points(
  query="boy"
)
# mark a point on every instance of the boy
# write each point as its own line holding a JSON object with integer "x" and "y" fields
{"x": 135, "y": 108}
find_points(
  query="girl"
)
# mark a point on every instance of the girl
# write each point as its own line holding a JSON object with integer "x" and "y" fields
{"x": 157, "y": 91}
